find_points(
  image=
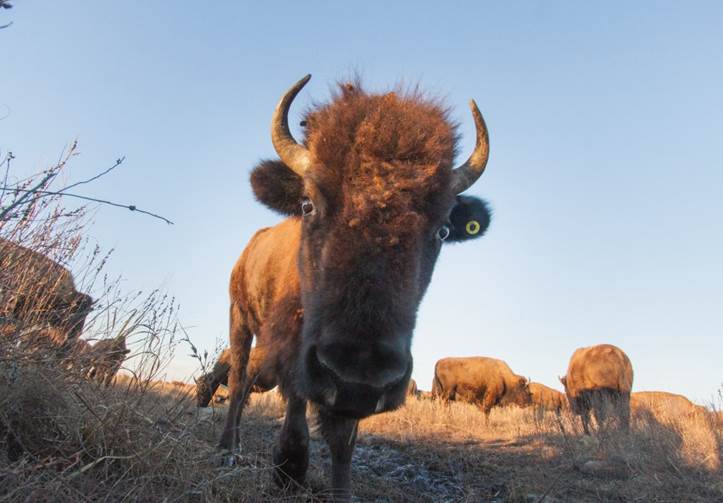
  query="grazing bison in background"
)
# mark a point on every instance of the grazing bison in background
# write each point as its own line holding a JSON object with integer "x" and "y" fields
{"x": 599, "y": 379}
{"x": 662, "y": 404}
{"x": 546, "y": 398}
{"x": 100, "y": 361}
{"x": 261, "y": 378}
{"x": 486, "y": 382}
{"x": 105, "y": 358}
{"x": 333, "y": 290}
{"x": 38, "y": 298}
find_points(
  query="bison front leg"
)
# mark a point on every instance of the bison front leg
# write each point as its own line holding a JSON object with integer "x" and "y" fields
{"x": 340, "y": 433}
{"x": 585, "y": 417}
{"x": 624, "y": 408}
{"x": 291, "y": 455}
{"x": 240, "y": 341}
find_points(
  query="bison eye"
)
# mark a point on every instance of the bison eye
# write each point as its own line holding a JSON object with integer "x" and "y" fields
{"x": 443, "y": 232}
{"x": 307, "y": 207}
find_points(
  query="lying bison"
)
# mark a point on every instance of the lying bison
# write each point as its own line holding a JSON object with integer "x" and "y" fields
{"x": 661, "y": 404}
{"x": 599, "y": 379}
{"x": 333, "y": 290}
{"x": 486, "y": 382}
{"x": 38, "y": 298}
{"x": 261, "y": 378}
{"x": 546, "y": 399}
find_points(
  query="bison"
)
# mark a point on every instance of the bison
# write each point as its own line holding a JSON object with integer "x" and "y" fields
{"x": 260, "y": 377}
{"x": 486, "y": 382}
{"x": 545, "y": 398}
{"x": 664, "y": 404}
{"x": 412, "y": 388}
{"x": 599, "y": 379}
{"x": 370, "y": 196}
{"x": 105, "y": 358}
{"x": 38, "y": 297}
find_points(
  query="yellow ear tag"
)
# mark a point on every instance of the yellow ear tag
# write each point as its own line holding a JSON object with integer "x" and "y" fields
{"x": 472, "y": 227}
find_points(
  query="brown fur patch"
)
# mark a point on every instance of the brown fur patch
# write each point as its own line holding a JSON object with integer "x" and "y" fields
{"x": 391, "y": 153}
{"x": 277, "y": 187}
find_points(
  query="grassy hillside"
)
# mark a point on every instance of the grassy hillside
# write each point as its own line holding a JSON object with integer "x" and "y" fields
{"x": 145, "y": 441}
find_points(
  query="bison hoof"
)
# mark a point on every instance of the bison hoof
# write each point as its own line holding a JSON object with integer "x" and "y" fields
{"x": 290, "y": 470}
{"x": 226, "y": 458}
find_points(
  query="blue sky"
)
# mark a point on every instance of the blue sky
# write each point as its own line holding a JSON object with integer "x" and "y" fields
{"x": 605, "y": 172}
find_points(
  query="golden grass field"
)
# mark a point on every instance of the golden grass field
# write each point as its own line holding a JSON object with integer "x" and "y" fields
{"x": 145, "y": 441}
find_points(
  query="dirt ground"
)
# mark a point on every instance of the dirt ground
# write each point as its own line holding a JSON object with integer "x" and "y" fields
{"x": 148, "y": 442}
{"x": 428, "y": 451}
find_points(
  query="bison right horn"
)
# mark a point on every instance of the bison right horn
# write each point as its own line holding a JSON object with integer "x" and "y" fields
{"x": 464, "y": 176}
{"x": 295, "y": 156}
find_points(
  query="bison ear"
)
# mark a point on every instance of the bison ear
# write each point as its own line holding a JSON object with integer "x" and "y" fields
{"x": 469, "y": 218}
{"x": 84, "y": 303}
{"x": 277, "y": 187}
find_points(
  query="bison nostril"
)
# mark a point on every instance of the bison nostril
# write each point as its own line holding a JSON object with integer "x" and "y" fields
{"x": 376, "y": 365}
{"x": 324, "y": 362}
{"x": 380, "y": 405}
{"x": 330, "y": 395}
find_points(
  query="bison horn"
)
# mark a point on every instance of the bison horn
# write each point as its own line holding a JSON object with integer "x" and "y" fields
{"x": 464, "y": 176}
{"x": 294, "y": 155}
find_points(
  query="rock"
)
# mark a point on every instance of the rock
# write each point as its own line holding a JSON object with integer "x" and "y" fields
{"x": 612, "y": 468}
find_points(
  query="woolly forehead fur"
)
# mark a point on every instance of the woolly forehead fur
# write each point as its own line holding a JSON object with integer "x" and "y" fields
{"x": 382, "y": 150}
{"x": 395, "y": 126}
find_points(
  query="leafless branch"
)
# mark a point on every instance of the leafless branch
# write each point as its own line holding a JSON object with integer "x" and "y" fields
{"x": 27, "y": 193}
{"x": 41, "y": 188}
{"x": 91, "y": 199}
{"x": 118, "y": 162}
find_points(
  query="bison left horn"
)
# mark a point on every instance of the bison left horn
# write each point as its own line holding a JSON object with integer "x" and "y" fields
{"x": 464, "y": 176}
{"x": 295, "y": 156}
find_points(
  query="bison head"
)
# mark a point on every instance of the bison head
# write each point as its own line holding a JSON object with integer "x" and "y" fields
{"x": 376, "y": 192}
{"x": 518, "y": 393}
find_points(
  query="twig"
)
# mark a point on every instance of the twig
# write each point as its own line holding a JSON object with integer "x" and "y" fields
{"x": 8, "y": 157}
{"x": 87, "y": 405}
{"x": 550, "y": 487}
{"x": 84, "y": 198}
{"x": 118, "y": 162}
{"x": 28, "y": 192}
{"x": 95, "y": 463}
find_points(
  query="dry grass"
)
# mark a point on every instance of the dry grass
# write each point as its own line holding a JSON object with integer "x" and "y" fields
{"x": 145, "y": 441}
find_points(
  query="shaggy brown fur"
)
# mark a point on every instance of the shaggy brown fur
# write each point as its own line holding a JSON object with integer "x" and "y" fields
{"x": 260, "y": 378}
{"x": 333, "y": 294}
{"x": 547, "y": 398}
{"x": 412, "y": 388}
{"x": 486, "y": 382}
{"x": 599, "y": 379}
{"x": 664, "y": 404}
{"x": 277, "y": 187}
{"x": 38, "y": 296}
